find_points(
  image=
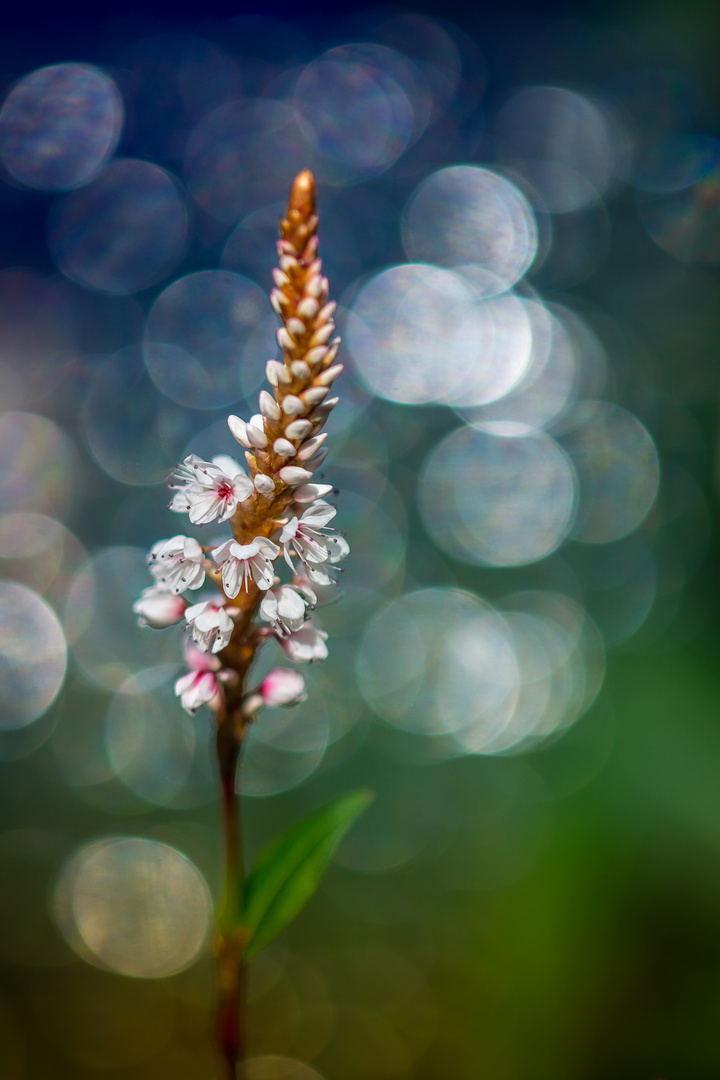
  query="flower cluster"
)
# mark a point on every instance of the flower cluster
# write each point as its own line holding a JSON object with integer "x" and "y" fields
{"x": 276, "y": 511}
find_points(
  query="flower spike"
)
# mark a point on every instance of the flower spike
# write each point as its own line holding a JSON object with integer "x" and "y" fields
{"x": 275, "y": 512}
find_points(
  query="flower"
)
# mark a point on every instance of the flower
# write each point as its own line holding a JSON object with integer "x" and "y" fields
{"x": 200, "y": 686}
{"x": 177, "y": 563}
{"x": 240, "y": 562}
{"x": 272, "y": 505}
{"x": 159, "y": 608}
{"x": 305, "y": 645}
{"x": 211, "y": 626}
{"x": 309, "y": 538}
{"x": 286, "y": 605}
{"x": 281, "y": 686}
{"x": 210, "y": 492}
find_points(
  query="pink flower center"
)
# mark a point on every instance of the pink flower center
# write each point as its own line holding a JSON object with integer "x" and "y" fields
{"x": 225, "y": 491}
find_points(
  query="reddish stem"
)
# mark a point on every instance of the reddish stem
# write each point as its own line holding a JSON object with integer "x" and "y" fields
{"x": 231, "y": 974}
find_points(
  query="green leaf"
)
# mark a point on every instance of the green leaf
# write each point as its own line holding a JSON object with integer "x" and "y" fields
{"x": 289, "y": 872}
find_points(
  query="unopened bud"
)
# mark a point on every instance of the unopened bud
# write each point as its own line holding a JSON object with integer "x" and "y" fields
{"x": 323, "y": 411}
{"x": 296, "y": 327}
{"x": 269, "y": 406}
{"x": 283, "y": 339}
{"x": 329, "y": 375}
{"x": 323, "y": 335}
{"x": 327, "y": 312}
{"x": 308, "y": 493}
{"x": 315, "y": 355}
{"x": 157, "y": 608}
{"x": 272, "y": 371}
{"x": 292, "y": 405}
{"x": 314, "y": 395}
{"x": 292, "y": 474}
{"x": 238, "y": 430}
{"x": 298, "y": 429}
{"x": 264, "y": 484}
{"x": 308, "y": 307}
{"x": 282, "y": 687}
{"x": 311, "y": 446}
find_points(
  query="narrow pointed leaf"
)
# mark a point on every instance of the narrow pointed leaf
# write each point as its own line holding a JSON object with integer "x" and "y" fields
{"x": 289, "y": 872}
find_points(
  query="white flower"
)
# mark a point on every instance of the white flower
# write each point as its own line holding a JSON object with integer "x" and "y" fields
{"x": 159, "y": 608}
{"x": 240, "y": 562}
{"x": 211, "y": 626}
{"x": 200, "y": 686}
{"x": 309, "y": 538}
{"x": 177, "y": 563}
{"x": 285, "y": 606}
{"x": 282, "y": 687}
{"x": 210, "y": 492}
{"x": 305, "y": 645}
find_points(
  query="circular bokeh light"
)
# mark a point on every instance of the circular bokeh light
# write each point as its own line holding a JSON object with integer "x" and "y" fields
{"x": 157, "y": 750}
{"x": 560, "y": 660}
{"x": 203, "y": 333}
{"x": 431, "y": 48}
{"x": 124, "y": 231}
{"x": 37, "y": 464}
{"x": 559, "y": 140}
{"x": 618, "y": 470}
{"x": 686, "y": 223}
{"x": 498, "y": 500}
{"x": 269, "y": 769}
{"x": 420, "y": 334}
{"x": 33, "y": 655}
{"x": 467, "y": 215}
{"x": 108, "y": 645}
{"x": 59, "y": 125}
{"x": 134, "y": 434}
{"x": 136, "y": 907}
{"x": 547, "y": 387}
{"x": 38, "y": 551}
{"x": 401, "y": 69}
{"x": 38, "y": 333}
{"x": 356, "y": 115}
{"x": 438, "y": 661}
{"x": 242, "y": 154}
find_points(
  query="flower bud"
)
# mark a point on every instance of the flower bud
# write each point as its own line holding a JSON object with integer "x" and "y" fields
{"x": 310, "y": 492}
{"x": 293, "y": 474}
{"x": 305, "y": 646}
{"x": 269, "y": 406}
{"x": 158, "y": 608}
{"x": 281, "y": 686}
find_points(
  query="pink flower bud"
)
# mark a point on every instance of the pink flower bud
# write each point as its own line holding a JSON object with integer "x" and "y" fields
{"x": 158, "y": 608}
{"x": 282, "y": 687}
{"x": 198, "y": 688}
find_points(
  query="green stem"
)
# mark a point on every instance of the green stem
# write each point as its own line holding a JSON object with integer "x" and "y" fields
{"x": 231, "y": 943}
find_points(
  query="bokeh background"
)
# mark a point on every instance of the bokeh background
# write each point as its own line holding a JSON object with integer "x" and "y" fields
{"x": 520, "y": 219}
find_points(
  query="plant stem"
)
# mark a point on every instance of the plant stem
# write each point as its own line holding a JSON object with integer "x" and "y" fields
{"x": 231, "y": 941}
